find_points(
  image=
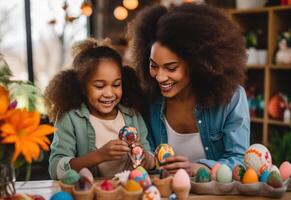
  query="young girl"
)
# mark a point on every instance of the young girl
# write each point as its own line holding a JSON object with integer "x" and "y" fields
{"x": 89, "y": 109}
{"x": 192, "y": 61}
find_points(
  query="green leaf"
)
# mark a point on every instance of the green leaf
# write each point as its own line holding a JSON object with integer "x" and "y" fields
{"x": 19, "y": 162}
{"x": 28, "y": 172}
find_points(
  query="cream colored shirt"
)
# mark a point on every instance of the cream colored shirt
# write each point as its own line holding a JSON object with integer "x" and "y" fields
{"x": 105, "y": 131}
{"x": 188, "y": 145}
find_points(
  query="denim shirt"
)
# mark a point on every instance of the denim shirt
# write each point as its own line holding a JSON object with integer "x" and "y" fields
{"x": 224, "y": 130}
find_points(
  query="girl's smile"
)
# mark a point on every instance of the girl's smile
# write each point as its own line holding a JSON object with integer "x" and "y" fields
{"x": 104, "y": 89}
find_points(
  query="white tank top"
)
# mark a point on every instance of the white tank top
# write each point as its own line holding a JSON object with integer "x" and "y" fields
{"x": 188, "y": 145}
{"x": 106, "y": 130}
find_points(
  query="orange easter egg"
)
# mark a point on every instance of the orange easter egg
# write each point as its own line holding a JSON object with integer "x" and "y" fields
{"x": 250, "y": 176}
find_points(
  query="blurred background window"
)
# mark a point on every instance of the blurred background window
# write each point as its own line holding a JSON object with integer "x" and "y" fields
{"x": 55, "y": 26}
{"x": 13, "y": 36}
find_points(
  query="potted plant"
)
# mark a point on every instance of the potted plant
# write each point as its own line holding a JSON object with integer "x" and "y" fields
{"x": 21, "y": 136}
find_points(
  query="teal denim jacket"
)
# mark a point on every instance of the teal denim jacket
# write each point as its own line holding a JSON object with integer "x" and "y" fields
{"x": 75, "y": 136}
{"x": 225, "y": 130}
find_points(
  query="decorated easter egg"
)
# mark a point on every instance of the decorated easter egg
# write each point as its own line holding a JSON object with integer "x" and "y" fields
{"x": 128, "y": 134}
{"x": 162, "y": 152}
{"x": 172, "y": 197}
{"x": 258, "y": 157}
{"x": 274, "y": 168}
{"x": 214, "y": 170}
{"x": 238, "y": 172}
{"x": 264, "y": 176}
{"x": 152, "y": 193}
{"x": 202, "y": 175}
{"x": 83, "y": 184}
{"x": 61, "y": 196}
{"x": 24, "y": 197}
{"x": 132, "y": 186}
{"x": 122, "y": 177}
{"x": 85, "y": 172}
{"x": 136, "y": 155}
{"x": 285, "y": 170}
{"x": 250, "y": 176}
{"x": 106, "y": 185}
{"x": 181, "y": 184}
{"x": 141, "y": 176}
{"x": 224, "y": 174}
{"x": 70, "y": 177}
{"x": 275, "y": 180}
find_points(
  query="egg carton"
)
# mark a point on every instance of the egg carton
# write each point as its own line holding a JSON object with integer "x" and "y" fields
{"x": 95, "y": 192}
{"x": 238, "y": 188}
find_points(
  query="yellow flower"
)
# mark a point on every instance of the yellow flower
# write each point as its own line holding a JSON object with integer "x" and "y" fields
{"x": 4, "y": 102}
{"x": 22, "y": 129}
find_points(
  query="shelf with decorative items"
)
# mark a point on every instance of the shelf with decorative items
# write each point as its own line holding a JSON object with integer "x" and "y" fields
{"x": 268, "y": 73}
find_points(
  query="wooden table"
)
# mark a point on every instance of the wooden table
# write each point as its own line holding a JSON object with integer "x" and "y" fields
{"x": 49, "y": 187}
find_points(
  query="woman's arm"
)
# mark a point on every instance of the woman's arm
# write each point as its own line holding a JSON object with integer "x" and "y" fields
{"x": 236, "y": 132}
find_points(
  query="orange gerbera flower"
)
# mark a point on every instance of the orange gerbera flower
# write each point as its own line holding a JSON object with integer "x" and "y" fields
{"x": 22, "y": 129}
{"x": 4, "y": 101}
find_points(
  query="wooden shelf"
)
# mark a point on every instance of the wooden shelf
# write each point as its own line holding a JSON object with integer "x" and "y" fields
{"x": 256, "y": 66}
{"x": 270, "y": 78}
{"x": 248, "y": 11}
{"x": 278, "y": 123}
{"x": 280, "y": 8}
{"x": 258, "y": 10}
{"x": 257, "y": 120}
{"x": 281, "y": 67}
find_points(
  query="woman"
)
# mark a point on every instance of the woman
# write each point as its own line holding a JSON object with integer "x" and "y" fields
{"x": 191, "y": 60}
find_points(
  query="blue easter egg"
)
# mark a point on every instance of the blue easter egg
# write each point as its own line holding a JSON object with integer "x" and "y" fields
{"x": 172, "y": 197}
{"x": 62, "y": 196}
{"x": 264, "y": 176}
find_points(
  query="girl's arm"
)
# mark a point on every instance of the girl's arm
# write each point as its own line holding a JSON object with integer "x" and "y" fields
{"x": 63, "y": 150}
{"x": 113, "y": 150}
{"x": 63, "y": 147}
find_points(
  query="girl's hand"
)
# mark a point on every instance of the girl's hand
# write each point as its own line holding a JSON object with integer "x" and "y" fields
{"x": 113, "y": 150}
{"x": 177, "y": 162}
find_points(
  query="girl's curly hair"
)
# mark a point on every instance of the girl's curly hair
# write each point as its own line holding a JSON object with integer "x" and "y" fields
{"x": 66, "y": 90}
{"x": 204, "y": 38}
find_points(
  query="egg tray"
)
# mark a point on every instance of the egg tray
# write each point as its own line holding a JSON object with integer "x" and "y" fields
{"x": 238, "y": 188}
{"x": 95, "y": 192}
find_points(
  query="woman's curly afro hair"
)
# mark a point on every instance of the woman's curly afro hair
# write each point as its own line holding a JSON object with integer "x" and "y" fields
{"x": 204, "y": 38}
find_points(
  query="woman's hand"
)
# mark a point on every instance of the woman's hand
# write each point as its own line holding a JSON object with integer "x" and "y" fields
{"x": 113, "y": 150}
{"x": 196, "y": 166}
{"x": 177, "y": 162}
{"x": 148, "y": 161}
